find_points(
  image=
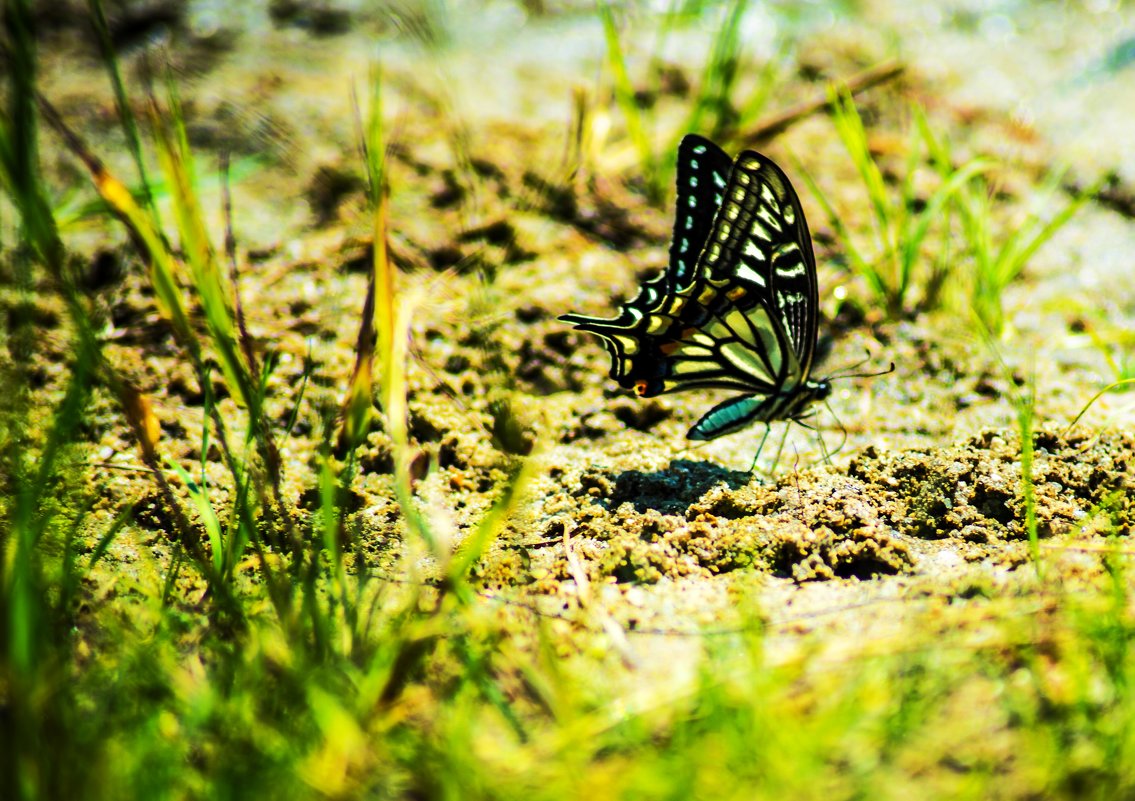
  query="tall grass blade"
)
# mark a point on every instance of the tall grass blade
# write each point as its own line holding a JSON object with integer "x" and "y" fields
{"x": 209, "y": 520}
{"x": 152, "y": 247}
{"x": 19, "y": 137}
{"x": 900, "y": 233}
{"x": 358, "y": 403}
{"x": 858, "y": 261}
{"x": 107, "y": 539}
{"x": 126, "y": 117}
{"x": 1024, "y": 404}
{"x": 720, "y": 75}
{"x": 1110, "y": 387}
{"x": 997, "y": 265}
{"x": 489, "y": 527}
{"x": 246, "y": 343}
{"x": 849, "y": 127}
{"x": 768, "y": 79}
{"x": 915, "y": 236}
{"x": 392, "y": 315}
{"x": 208, "y": 279}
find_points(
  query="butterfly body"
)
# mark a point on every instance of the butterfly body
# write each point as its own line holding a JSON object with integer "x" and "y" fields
{"x": 742, "y": 411}
{"x": 737, "y": 306}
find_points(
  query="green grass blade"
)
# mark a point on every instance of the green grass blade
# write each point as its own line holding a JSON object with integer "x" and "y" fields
{"x": 147, "y": 238}
{"x": 921, "y": 223}
{"x": 849, "y": 127}
{"x": 1110, "y": 387}
{"x": 489, "y": 527}
{"x": 200, "y": 497}
{"x": 1026, "y": 239}
{"x": 107, "y": 539}
{"x": 330, "y": 526}
{"x": 908, "y": 250}
{"x": 208, "y": 279}
{"x": 858, "y": 263}
{"x": 768, "y": 79}
{"x": 126, "y": 118}
{"x": 19, "y": 139}
{"x": 720, "y": 74}
{"x": 996, "y": 267}
{"x": 392, "y": 315}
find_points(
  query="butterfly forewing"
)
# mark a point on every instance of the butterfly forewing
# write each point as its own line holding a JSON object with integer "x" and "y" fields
{"x": 760, "y": 244}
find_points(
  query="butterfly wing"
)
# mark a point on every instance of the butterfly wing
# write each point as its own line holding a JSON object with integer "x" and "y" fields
{"x": 702, "y": 171}
{"x": 760, "y": 251}
{"x": 744, "y": 317}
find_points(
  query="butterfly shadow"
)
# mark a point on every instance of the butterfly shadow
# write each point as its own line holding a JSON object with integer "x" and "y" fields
{"x": 673, "y": 490}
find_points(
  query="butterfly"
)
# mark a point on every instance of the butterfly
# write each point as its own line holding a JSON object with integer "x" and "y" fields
{"x": 736, "y": 308}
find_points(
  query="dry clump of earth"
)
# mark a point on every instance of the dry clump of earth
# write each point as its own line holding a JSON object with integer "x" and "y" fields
{"x": 876, "y": 518}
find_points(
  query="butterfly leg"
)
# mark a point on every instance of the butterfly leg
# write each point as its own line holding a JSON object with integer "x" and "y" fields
{"x": 779, "y": 450}
{"x": 823, "y": 446}
{"x": 842, "y": 428}
{"x": 761, "y": 447}
{"x": 820, "y": 438}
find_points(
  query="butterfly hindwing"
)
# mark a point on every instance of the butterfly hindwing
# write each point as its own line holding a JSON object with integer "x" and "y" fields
{"x": 701, "y": 173}
{"x": 792, "y": 266}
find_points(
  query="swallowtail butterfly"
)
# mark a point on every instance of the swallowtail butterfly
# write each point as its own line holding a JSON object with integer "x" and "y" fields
{"x": 735, "y": 308}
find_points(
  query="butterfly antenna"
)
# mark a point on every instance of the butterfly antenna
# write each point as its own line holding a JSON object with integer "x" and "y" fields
{"x": 890, "y": 369}
{"x": 850, "y": 371}
{"x": 824, "y": 448}
{"x": 842, "y": 427}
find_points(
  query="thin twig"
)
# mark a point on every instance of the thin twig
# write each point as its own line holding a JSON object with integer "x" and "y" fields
{"x": 782, "y": 121}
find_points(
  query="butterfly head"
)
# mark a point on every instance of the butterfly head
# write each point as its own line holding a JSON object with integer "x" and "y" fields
{"x": 819, "y": 390}
{"x": 799, "y": 403}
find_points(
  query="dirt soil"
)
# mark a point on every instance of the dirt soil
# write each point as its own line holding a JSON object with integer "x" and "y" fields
{"x": 627, "y": 531}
